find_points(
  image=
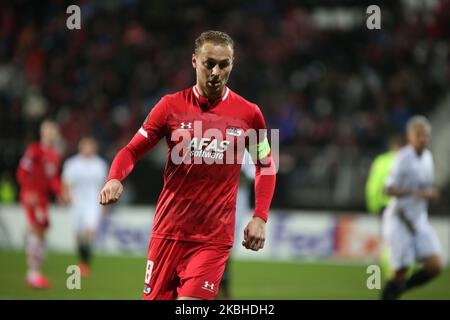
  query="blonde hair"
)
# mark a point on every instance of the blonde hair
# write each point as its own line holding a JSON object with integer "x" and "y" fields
{"x": 215, "y": 37}
{"x": 418, "y": 121}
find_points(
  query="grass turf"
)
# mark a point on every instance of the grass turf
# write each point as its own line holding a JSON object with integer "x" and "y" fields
{"x": 122, "y": 278}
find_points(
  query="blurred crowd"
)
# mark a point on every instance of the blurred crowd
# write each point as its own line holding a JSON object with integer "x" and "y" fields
{"x": 336, "y": 95}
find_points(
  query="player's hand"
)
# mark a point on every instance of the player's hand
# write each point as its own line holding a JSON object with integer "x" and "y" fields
{"x": 111, "y": 192}
{"x": 255, "y": 234}
{"x": 63, "y": 199}
{"x": 431, "y": 195}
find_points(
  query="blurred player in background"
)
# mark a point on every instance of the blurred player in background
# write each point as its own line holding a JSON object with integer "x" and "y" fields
{"x": 242, "y": 209}
{"x": 376, "y": 199}
{"x": 38, "y": 174}
{"x": 194, "y": 225}
{"x": 83, "y": 175}
{"x": 406, "y": 230}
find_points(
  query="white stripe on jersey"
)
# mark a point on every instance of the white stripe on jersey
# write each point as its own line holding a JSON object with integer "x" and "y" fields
{"x": 143, "y": 132}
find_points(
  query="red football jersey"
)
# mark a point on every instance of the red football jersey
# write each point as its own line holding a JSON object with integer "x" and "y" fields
{"x": 39, "y": 170}
{"x": 198, "y": 200}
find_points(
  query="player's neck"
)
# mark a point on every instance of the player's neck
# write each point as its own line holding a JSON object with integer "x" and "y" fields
{"x": 87, "y": 155}
{"x": 46, "y": 144}
{"x": 418, "y": 152}
{"x": 203, "y": 93}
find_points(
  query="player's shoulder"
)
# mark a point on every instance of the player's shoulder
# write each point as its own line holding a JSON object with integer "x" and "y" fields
{"x": 428, "y": 154}
{"x": 235, "y": 97}
{"x": 404, "y": 153}
{"x": 33, "y": 150}
{"x": 246, "y": 109}
{"x": 70, "y": 161}
{"x": 34, "y": 147}
{"x": 100, "y": 161}
{"x": 177, "y": 96}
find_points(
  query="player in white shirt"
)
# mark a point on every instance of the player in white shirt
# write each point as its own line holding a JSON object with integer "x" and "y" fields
{"x": 406, "y": 230}
{"x": 243, "y": 210}
{"x": 83, "y": 176}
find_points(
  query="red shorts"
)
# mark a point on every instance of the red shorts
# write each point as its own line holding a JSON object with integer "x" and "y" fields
{"x": 37, "y": 215}
{"x": 184, "y": 269}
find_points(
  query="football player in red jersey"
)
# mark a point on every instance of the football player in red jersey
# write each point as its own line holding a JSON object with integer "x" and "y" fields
{"x": 193, "y": 231}
{"x": 38, "y": 174}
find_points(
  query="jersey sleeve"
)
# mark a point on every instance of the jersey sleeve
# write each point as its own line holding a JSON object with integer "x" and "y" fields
{"x": 26, "y": 166}
{"x": 258, "y": 146}
{"x": 431, "y": 167}
{"x": 265, "y": 170}
{"x": 29, "y": 157}
{"x": 55, "y": 180}
{"x": 154, "y": 126}
{"x": 67, "y": 172}
{"x": 394, "y": 177}
{"x": 152, "y": 130}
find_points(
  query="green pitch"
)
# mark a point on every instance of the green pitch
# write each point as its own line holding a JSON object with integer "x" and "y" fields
{"x": 122, "y": 278}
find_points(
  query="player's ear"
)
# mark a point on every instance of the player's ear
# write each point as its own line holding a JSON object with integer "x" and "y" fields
{"x": 194, "y": 61}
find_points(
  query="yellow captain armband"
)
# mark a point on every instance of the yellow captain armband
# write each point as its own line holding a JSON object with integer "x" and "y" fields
{"x": 263, "y": 149}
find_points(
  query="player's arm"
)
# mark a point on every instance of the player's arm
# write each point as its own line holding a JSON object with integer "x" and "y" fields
{"x": 67, "y": 175}
{"x": 393, "y": 184}
{"x": 55, "y": 183}
{"x": 24, "y": 175}
{"x": 122, "y": 166}
{"x": 66, "y": 193}
{"x": 25, "y": 167}
{"x": 398, "y": 192}
{"x": 143, "y": 141}
{"x": 432, "y": 194}
{"x": 265, "y": 179}
{"x": 56, "y": 186}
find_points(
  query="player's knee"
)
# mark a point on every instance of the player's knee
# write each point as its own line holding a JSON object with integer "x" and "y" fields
{"x": 38, "y": 232}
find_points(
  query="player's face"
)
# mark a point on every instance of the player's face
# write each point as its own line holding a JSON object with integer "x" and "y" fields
{"x": 418, "y": 137}
{"x": 88, "y": 147}
{"x": 213, "y": 65}
{"x": 49, "y": 132}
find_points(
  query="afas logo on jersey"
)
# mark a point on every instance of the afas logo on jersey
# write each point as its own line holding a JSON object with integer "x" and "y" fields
{"x": 209, "y": 144}
{"x": 212, "y": 147}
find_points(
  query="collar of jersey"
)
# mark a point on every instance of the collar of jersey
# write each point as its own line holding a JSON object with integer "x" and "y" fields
{"x": 205, "y": 103}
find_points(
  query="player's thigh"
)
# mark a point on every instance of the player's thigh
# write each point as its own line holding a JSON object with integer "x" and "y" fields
{"x": 161, "y": 280}
{"x": 400, "y": 244}
{"x": 77, "y": 219}
{"x": 427, "y": 242}
{"x": 37, "y": 215}
{"x": 203, "y": 272}
{"x": 92, "y": 219}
